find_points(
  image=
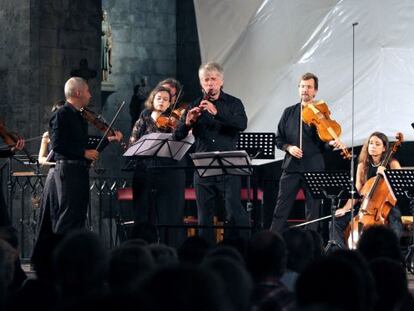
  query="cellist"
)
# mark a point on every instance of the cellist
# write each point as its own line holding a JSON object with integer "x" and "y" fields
{"x": 369, "y": 165}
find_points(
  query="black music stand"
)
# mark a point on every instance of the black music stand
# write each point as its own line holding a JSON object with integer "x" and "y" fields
{"x": 160, "y": 145}
{"x": 334, "y": 185}
{"x": 220, "y": 163}
{"x": 259, "y": 146}
{"x": 401, "y": 182}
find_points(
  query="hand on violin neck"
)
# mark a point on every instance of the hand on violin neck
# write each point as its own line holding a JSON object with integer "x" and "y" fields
{"x": 117, "y": 137}
{"x": 337, "y": 144}
{"x": 295, "y": 151}
{"x": 91, "y": 154}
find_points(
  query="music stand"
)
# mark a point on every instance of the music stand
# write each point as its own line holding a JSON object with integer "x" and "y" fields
{"x": 261, "y": 148}
{"x": 160, "y": 145}
{"x": 401, "y": 183}
{"x": 222, "y": 163}
{"x": 334, "y": 185}
{"x": 257, "y": 145}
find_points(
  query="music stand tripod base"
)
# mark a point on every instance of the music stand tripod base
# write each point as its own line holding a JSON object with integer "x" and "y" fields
{"x": 332, "y": 185}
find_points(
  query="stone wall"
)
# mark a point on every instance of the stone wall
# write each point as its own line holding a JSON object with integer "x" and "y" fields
{"x": 15, "y": 67}
{"x": 144, "y": 45}
{"x": 42, "y": 41}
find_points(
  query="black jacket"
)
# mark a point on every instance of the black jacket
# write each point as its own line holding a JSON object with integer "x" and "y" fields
{"x": 312, "y": 147}
{"x": 219, "y": 132}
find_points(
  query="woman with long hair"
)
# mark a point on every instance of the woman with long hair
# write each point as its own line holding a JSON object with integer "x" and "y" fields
{"x": 158, "y": 194}
{"x": 370, "y": 159}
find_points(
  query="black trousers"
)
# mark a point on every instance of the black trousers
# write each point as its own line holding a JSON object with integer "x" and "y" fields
{"x": 72, "y": 190}
{"x": 159, "y": 198}
{"x": 4, "y": 213}
{"x": 48, "y": 199}
{"x": 227, "y": 187}
{"x": 289, "y": 185}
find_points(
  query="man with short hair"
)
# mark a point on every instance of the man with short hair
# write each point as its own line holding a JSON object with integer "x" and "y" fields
{"x": 215, "y": 121}
{"x": 69, "y": 139}
{"x": 304, "y": 152}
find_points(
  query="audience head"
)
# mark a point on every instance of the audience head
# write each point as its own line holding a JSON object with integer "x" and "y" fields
{"x": 380, "y": 241}
{"x": 390, "y": 283}
{"x": 163, "y": 255}
{"x": 79, "y": 264}
{"x": 300, "y": 248}
{"x": 128, "y": 263}
{"x": 237, "y": 281}
{"x": 266, "y": 255}
{"x": 145, "y": 231}
{"x": 184, "y": 288}
{"x": 224, "y": 251}
{"x": 335, "y": 282}
{"x": 193, "y": 250}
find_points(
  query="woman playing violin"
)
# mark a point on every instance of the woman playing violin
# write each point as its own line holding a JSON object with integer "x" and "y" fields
{"x": 158, "y": 193}
{"x": 369, "y": 165}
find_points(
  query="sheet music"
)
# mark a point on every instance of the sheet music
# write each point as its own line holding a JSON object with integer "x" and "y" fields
{"x": 222, "y": 162}
{"x": 160, "y": 145}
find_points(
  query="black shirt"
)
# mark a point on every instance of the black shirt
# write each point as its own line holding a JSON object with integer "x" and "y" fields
{"x": 5, "y": 153}
{"x": 288, "y": 134}
{"x": 219, "y": 132}
{"x": 68, "y": 133}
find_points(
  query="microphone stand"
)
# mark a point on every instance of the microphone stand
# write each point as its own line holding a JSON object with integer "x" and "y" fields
{"x": 352, "y": 134}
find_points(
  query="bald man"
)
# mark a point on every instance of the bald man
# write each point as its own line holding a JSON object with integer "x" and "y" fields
{"x": 69, "y": 138}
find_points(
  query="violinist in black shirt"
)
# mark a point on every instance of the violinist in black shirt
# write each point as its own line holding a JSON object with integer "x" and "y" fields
{"x": 69, "y": 138}
{"x": 304, "y": 152}
{"x": 216, "y": 121}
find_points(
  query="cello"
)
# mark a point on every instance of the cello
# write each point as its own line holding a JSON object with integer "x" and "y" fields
{"x": 377, "y": 201}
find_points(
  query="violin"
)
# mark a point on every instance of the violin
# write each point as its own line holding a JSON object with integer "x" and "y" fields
{"x": 99, "y": 123}
{"x": 171, "y": 121}
{"x": 96, "y": 120}
{"x": 377, "y": 200}
{"x": 318, "y": 114}
{"x": 10, "y": 139}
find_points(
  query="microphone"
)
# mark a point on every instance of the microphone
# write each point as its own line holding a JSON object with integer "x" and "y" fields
{"x": 355, "y": 24}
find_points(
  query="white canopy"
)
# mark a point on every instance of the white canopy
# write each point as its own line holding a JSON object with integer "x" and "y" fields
{"x": 265, "y": 45}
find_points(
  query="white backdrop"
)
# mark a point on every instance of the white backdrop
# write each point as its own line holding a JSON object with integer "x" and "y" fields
{"x": 265, "y": 45}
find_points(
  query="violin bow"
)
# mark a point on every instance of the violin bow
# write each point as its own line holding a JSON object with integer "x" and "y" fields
{"x": 176, "y": 100}
{"x": 110, "y": 125}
